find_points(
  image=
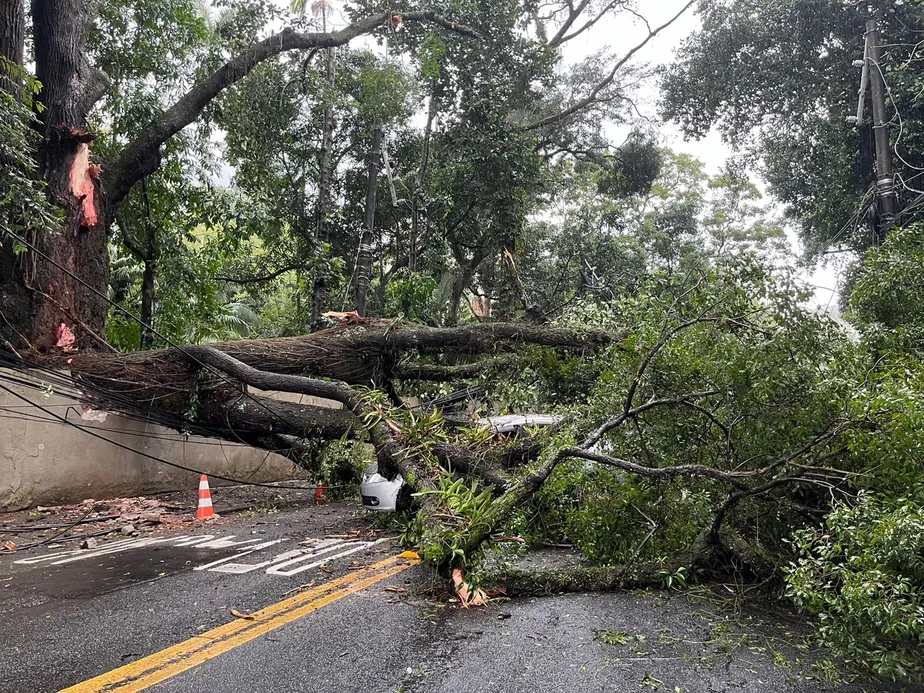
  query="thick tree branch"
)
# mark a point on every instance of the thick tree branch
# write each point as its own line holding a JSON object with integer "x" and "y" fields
{"x": 438, "y": 373}
{"x": 598, "y": 434}
{"x": 262, "y": 278}
{"x": 591, "y": 97}
{"x": 141, "y": 156}
{"x": 733, "y": 479}
{"x": 573, "y": 14}
{"x": 271, "y": 381}
{"x": 563, "y": 37}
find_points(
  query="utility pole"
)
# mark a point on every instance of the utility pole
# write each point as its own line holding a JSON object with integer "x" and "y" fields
{"x": 885, "y": 180}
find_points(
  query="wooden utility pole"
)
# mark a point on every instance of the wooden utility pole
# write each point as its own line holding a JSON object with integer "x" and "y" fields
{"x": 364, "y": 257}
{"x": 885, "y": 180}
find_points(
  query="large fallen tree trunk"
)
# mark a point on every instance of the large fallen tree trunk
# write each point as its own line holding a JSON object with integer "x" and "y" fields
{"x": 350, "y": 370}
{"x": 363, "y": 353}
{"x": 209, "y": 389}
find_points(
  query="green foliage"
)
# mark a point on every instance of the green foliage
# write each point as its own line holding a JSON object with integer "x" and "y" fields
{"x": 635, "y": 168}
{"x": 887, "y": 297}
{"x": 771, "y": 377}
{"x": 460, "y": 504}
{"x": 888, "y": 439}
{"x": 24, "y": 209}
{"x": 776, "y": 77}
{"x": 863, "y": 575}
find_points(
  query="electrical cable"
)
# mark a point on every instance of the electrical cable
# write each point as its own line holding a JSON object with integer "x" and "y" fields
{"x": 221, "y": 374}
{"x": 176, "y": 465}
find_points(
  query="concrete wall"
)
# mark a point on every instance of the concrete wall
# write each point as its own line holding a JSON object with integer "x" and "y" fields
{"x": 49, "y": 463}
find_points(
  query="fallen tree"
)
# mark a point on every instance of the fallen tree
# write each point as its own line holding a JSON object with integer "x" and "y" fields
{"x": 623, "y": 398}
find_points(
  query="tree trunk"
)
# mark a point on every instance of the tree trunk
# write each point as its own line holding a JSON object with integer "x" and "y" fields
{"x": 324, "y": 190}
{"x": 420, "y": 181}
{"x": 12, "y": 30}
{"x": 364, "y": 257}
{"x": 461, "y": 282}
{"x": 44, "y": 299}
{"x": 147, "y": 305}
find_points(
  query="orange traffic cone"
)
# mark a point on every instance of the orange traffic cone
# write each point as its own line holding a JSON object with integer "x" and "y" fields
{"x": 205, "y": 499}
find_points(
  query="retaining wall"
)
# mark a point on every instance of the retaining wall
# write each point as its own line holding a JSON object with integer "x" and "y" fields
{"x": 49, "y": 463}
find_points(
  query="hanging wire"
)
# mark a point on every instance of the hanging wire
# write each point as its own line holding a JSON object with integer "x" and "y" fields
{"x": 166, "y": 340}
{"x": 155, "y": 458}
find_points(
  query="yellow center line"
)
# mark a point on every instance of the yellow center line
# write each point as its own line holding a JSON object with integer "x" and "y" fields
{"x": 174, "y": 660}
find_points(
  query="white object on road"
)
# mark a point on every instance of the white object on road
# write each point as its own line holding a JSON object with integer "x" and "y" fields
{"x": 378, "y": 493}
{"x": 381, "y": 495}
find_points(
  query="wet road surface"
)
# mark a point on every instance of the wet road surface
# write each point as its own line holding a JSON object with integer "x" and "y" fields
{"x": 337, "y": 608}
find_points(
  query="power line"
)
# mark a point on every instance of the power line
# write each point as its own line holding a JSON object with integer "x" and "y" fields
{"x": 155, "y": 458}
{"x": 144, "y": 325}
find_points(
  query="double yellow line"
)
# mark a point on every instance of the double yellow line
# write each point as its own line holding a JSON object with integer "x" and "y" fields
{"x": 162, "y": 665}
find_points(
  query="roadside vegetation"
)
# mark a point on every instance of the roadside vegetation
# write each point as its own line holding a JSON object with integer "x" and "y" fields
{"x": 433, "y": 213}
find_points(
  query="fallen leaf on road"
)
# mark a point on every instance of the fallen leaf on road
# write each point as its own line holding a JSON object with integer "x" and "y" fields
{"x": 325, "y": 569}
{"x": 300, "y": 587}
{"x": 238, "y": 614}
{"x": 395, "y": 588}
{"x": 9, "y": 546}
{"x": 409, "y": 554}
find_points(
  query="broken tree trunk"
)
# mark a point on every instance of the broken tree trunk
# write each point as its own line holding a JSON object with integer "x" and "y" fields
{"x": 43, "y": 301}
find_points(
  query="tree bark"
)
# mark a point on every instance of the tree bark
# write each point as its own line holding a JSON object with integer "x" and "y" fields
{"x": 364, "y": 256}
{"x": 12, "y": 30}
{"x": 359, "y": 354}
{"x": 325, "y": 174}
{"x": 43, "y": 291}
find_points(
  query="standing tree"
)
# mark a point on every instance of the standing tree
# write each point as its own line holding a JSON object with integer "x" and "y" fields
{"x": 777, "y": 78}
{"x": 51, "y": 300}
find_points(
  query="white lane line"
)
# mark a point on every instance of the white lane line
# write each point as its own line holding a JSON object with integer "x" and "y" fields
{"x": 277, "y": 569}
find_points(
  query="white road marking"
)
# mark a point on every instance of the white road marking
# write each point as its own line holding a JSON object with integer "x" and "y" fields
{"x": 81, "y": 554}
{"x": 220, "y": 561}
{"x": 292, "y": 562}
{"x": 277, "y": 569}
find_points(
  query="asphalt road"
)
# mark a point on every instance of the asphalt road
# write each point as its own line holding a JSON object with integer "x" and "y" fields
{"x": 339, "y": 612}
